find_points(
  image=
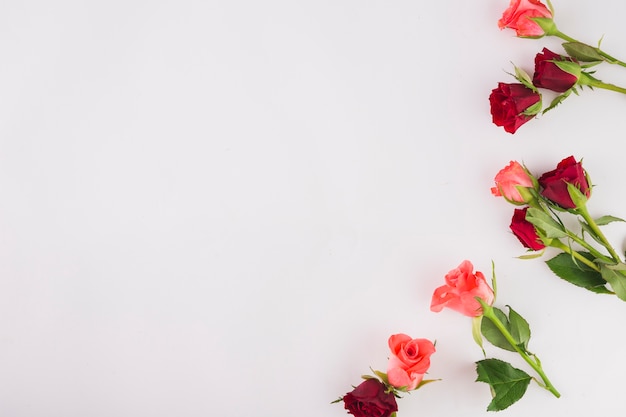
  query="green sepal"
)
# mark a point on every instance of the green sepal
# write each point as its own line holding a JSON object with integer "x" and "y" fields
{"x": 535, "y": 109}
{"x": 533, "y": 255}
{"x": 545, "y": 224}
{"x": 426, "y": 381}
{"x": 578, "y": 198}
{"x": 559, "y": 99}
{"x": 582, "y": 52}
{"x": 566, "y": 267}
{"x": 568, "y": 66}
{"x": 615, "y": 275}
{"x": 546, "y": 24}
{"x": 523, "y": 77}
{"x": 604, "y": 220}
{"x": 476, "y": 334}
{"x": 508, "y": 384}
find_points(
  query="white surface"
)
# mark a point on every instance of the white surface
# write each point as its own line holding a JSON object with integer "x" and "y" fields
{"x": 225, "y": 208}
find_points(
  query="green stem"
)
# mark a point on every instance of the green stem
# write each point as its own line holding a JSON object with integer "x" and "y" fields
{"x": 587, "y": 246}
{"x": 608, "y": 58}
{"x": 535, "y": 364}
{"x": 559, "y": 245}
{"x": 605, "y": 86}
{"x": 592, "y": 224}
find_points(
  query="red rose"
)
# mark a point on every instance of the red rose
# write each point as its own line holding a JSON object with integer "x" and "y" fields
{"x": 525, "y": 231}
{"x": 517, "y": 17}
{"x": 555, "y": 182}
{"x": 549, "y": 75}
{"x": 512, "y": 105}
{"x": 369, "y": 399}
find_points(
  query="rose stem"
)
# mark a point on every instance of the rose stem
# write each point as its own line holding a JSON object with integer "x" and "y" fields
{"x": 585, "y": 214}
{"x": 609, "y": 58}
{"x": 559, "y": 245}
{"x": 488, "y": 312}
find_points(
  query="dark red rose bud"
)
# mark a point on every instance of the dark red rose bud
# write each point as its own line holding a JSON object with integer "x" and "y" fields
{"x": 510, "y": 104}
{"x": 369, "y": 399}
{"x": 555, "y": 182}
{"x": 525, "y": 231}
{"x": 549, "y": 75}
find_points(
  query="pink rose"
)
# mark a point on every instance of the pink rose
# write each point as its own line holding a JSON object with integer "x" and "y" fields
{"x": 517, "y": 17}
{"x": 507, "y": 181}
{"x": 409, "y": 360}
{"x": 460, "y": 292}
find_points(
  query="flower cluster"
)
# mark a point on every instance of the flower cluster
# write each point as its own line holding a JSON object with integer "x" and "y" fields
{"x": 514, "y": 104}
{"x": 563, "y": 191}
{"x": 409, "y": 361}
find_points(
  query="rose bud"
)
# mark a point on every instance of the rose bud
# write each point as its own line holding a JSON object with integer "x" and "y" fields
{"x": 508, "y": 179}
{"x": 555, "y": 72}
{"x": 555, "y": 182}
{"x": 512, "y": 105}
{"x": 525, "y": 231}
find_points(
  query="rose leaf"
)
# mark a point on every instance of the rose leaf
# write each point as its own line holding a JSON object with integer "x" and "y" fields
{"x": 508, "y": 384}
{"x": 566, "y": 267}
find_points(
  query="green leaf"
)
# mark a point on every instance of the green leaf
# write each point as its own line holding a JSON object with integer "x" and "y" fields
{"x": 508, "y": 384}
{"x": 582, "y": 52}
{"x": 493, "y": 334}
{"x": 575, "y": 272}
{"x": 520, "y": 330}
{"x": 615, "y": 275}
{"x": 601, "y": 221}
{"x": 548, "y": 226}
{"x": 515, "y": 324}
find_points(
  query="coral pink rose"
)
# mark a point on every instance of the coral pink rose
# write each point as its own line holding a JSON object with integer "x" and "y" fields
{"x": 409, "y": 360}
{"x": 525, "y": 231}
{"x": 517, "y": 17}
{"x": 555, "y": 182}
{"x": 460, "y": 292}
{"x": 508, "y": 179}
{"x": 370, "y": 399}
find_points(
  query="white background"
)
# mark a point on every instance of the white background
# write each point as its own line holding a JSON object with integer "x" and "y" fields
{"x": 225, "y": 208}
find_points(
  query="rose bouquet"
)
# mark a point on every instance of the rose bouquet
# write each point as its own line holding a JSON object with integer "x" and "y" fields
{"x": 586, "y": 259}
{"x": 408, "y": 363}
{"x": 468, "y": 293}
{"x": 514, "y": 104}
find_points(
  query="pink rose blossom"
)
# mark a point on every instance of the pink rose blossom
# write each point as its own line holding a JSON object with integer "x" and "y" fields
{"x": 517, "y": 17}
{"x": 409, "y": 360}
{"x": 507, "y": 181}
{"x": 461, "y": 289}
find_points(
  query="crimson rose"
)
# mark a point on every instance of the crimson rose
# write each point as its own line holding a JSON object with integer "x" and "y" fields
{"x": 525, "y": 231}
{"x": 512, "y": 105}
{"x": 555, "y": 182}
{"x": 370, "y": 399}
{"x": 549, "y": 75}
